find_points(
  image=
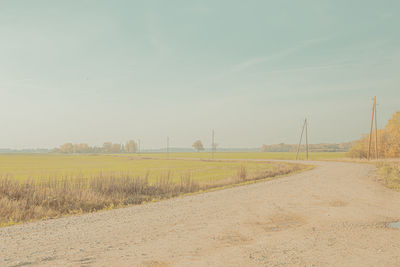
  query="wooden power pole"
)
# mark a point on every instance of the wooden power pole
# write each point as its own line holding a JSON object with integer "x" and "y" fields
{"x": 305, "y": 126}
{"x": 307, "y": 137}
{"x": 371, "y": 132}
{"x": 212, "y": 144}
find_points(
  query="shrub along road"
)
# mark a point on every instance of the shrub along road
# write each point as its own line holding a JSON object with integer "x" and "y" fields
{"x": 333, "y": 215}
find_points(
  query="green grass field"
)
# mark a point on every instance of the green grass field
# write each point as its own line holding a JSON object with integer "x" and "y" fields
{"x": 23, "y": 166}
{"x": 39, "y": 166}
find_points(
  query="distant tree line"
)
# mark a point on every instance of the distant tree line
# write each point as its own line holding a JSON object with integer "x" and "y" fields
{"x": 108, "y": 147}
{"x": 342, "y": 147}
{"x": 388, "y": 141}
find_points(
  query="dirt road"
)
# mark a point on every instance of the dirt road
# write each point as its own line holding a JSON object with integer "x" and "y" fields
{"x": 334, "y": 215}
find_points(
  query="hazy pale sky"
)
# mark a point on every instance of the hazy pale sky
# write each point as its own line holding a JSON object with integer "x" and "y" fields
{"x": 95, "y": 71}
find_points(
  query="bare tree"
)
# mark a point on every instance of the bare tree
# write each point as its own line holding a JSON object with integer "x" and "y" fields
{"x": 198, "y": 145}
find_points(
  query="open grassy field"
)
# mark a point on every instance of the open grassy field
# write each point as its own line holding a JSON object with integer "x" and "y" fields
{"x": 248, "y": 155}
{"x": 44, "y": 166}
{"x": 35, "y": 186}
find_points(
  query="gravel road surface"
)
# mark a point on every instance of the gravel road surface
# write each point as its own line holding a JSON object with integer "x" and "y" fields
{"x": 333, "y": 215}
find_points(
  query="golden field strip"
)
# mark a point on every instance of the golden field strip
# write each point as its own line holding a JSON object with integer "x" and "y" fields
{"x": 249, "y": 155}
{"x": 36, "y": 186}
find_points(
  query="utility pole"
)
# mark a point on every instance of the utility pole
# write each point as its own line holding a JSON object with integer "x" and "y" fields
{"x": 167, "y": 146}
{"x": 376, "y": 132}
{"x": 371, "y": 132}
{"x": 307, "y": 137}
{"x": 212, "y": 144}
{"x": 139, "y": 146}
{"x": 301, "y": 137}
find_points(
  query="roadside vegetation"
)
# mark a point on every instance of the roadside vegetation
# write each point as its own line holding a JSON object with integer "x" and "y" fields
{"x": 388, "y": 141}
{"x": 390, "y": 174}
{"x": 49, "y": 196}
{"x": 388, "y": 151}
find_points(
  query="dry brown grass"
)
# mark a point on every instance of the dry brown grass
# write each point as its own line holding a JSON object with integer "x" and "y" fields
{"x": 32, "y": 200}
{"x": 242, "y": 174}
{"x": 390, "y": 173}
